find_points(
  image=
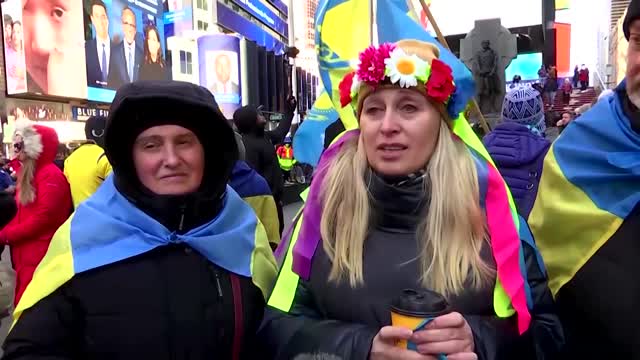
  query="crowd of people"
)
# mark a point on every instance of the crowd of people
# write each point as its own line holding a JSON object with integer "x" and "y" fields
{"x": 162, "y": 236}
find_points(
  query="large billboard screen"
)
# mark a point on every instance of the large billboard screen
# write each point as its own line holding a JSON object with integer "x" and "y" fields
{"x": 44, "y": 48}
{"x": 83, "y": 49}
{"x": 219, "y": 58}
{"x": 124, "y": 43}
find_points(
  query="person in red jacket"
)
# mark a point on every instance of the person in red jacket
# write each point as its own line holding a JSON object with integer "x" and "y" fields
{"x": 43, "y": 198}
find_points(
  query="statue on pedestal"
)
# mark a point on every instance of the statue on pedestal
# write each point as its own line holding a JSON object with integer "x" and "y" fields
{"x": 488, "y": 84}
{"x": 488, "y": 50}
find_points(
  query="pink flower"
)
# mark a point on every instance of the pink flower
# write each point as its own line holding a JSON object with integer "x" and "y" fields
{"x": 384, "y": 51}
{"x": 345, "y": 89}
{"x": 372, "y": 67}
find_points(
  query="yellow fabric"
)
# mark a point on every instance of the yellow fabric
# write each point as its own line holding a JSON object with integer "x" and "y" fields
{"x": 85, "y": 169}
{"x": 265, "y": 208}
{"x": 567, "y": 225}
{"x": 264, "y": 268}
{"x": 57, "y": 265}
{"x": 335, "y": 50}
{"x": 282, "y": 296}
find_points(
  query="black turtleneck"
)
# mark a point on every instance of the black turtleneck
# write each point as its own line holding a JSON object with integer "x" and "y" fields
{"x": 398, "y": 204}
{"x": 632, "y": 111}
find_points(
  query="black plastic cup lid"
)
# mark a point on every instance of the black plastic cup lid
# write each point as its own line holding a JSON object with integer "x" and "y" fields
{"x": 423, "y": 304}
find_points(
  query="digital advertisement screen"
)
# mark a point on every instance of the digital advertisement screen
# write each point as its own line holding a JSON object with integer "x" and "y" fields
{"x": 121, "y": 41}
{"x": 178, "y": 17}
{"x": 125, "y": 43}
{"x": 219, "y": 58}
{"x": 453, "y": 21}
{"x": 525, "y": 65}
{"x": 43, "y": 53}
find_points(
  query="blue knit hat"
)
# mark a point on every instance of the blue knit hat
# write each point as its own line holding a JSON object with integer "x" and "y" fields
{"x": 523, "y": 105}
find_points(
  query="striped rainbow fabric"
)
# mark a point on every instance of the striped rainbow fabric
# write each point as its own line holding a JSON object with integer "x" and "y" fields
{"x": 107, "y": 228}
{"x": 589, "y": 186}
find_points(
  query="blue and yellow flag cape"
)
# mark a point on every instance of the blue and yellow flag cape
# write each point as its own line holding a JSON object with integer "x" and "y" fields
{"x": 589, "y": 185}
{"x": 255, "y": 190}
{"x": 107, "y": 228}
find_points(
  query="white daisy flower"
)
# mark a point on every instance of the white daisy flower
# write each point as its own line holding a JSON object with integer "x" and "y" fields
{"x": 404, "y": 68}
{"x": 355, "y": 85}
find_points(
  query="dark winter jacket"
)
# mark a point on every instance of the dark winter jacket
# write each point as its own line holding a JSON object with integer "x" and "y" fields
{"x": 519, "y": 155}
{"x": 260, "y": 146}
{"x": 174, "y": 301}
{"x": 339, "y": 320}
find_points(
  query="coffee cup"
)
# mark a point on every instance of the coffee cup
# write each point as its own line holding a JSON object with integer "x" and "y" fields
{"x": 414, "y": 309}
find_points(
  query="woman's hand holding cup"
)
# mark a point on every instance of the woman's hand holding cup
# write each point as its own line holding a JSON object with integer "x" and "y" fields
{"x": 384, "y": 345}
{"x": 448, "y": 334}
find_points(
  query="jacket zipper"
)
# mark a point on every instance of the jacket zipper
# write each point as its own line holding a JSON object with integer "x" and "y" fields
{"x": 238, "y": 313}
{"x": 218, "y": 285}
{"x": 181, "y": 224}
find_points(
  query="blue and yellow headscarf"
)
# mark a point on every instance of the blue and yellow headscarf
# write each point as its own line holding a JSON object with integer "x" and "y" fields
{"x": 107, "y": 228}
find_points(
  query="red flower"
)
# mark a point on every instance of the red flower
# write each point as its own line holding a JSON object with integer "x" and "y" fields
{"x": 345, "y": 89}
{"x": 371, "y": 68}
{"x": 440, "y": 84}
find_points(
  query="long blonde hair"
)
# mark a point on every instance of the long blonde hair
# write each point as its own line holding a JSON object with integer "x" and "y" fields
{"x": 450, "y": 236}
{"x": 26, "y": 188}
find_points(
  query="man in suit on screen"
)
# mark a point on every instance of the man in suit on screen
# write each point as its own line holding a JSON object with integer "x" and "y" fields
{"x": 98, "y": 50}
{"x": 127, "y": 55}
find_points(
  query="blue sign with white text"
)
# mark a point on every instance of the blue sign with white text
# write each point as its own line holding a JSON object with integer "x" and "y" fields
{"x": 264, "y": 14}
{"x": 245, "y": 27}
{"x": 279, "y": 4}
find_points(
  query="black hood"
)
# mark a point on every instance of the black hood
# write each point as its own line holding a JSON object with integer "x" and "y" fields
{"x": 94, "y": 129}
{"x": 246, "y": 120}
{"x": 144, "y": 104}
{"x": 633, "y": 13}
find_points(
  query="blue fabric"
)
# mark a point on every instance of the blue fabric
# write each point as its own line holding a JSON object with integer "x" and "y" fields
{"x": 247, "y": 182}
{"x": 395, "y": 24}
{"x": 107, "y": 228}
{"x": 5, "y": 180}
{"x": 600, "y": 153}
{"x": 519, "y": 156}
{"x": 308, "y": 140}
{"x": 414, "y": 347}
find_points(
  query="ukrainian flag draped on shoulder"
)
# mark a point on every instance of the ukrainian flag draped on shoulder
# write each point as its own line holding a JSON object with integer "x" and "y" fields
{"x": 107, "y": 228}
{"x": 589, "y": 186}
{"x": 506, "y": 229}
{"x": 254, "y": 189}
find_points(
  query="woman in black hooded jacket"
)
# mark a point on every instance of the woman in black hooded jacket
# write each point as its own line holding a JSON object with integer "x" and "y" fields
{"x": 168, "y": 262}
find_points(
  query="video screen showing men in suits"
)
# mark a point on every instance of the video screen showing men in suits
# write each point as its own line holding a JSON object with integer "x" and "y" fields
{"x": 125, "y": 44}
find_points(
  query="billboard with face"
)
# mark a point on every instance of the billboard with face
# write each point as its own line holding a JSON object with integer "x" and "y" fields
{"x": 44, "y": 47}
{"x": 219, "y": 58}
{"x": 83, "y": 49}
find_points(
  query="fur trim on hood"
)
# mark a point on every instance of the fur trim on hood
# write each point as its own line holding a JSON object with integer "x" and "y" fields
{"x": 31, "y": 138}
{"x": 40, "y": 142}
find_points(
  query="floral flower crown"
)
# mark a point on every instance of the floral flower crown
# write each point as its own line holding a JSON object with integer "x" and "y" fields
{"x": 388, "y": 61}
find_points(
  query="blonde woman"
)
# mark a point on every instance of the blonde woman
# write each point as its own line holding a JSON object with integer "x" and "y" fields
{"x": 404, "y": 203}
